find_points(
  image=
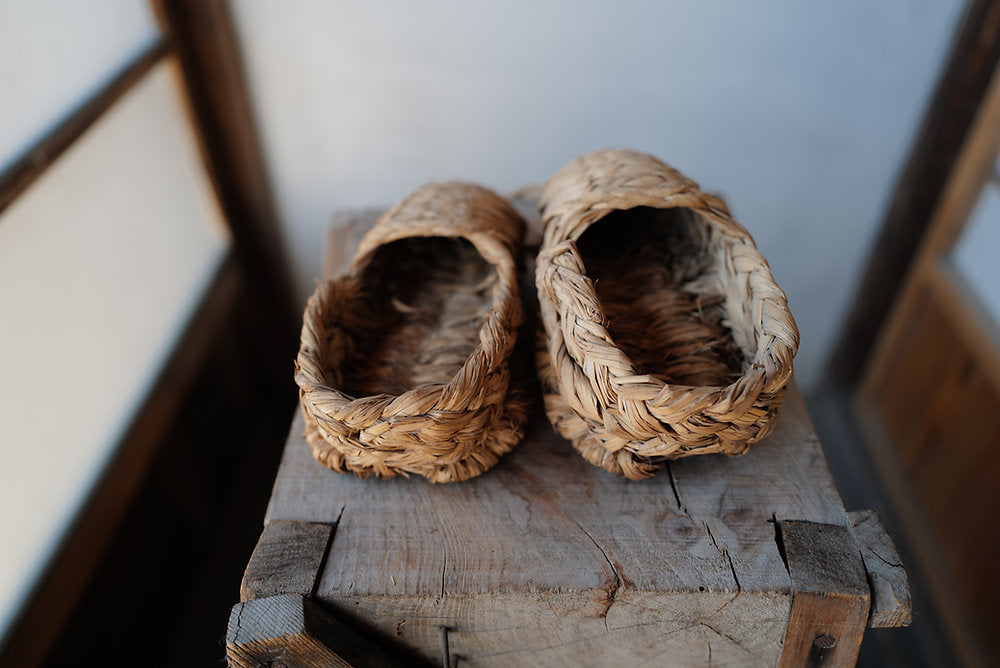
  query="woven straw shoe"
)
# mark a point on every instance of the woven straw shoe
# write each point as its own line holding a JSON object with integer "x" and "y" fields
{"x": 405, "y": 362}
{"x": 665, "y": 334}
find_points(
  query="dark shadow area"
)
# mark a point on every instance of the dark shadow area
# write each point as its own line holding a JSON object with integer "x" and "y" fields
{"x": 162, "y": 595}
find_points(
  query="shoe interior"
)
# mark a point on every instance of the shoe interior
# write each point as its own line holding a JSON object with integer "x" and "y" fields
{"x": 418, "y": 315}
{"x": 658, "y": 278}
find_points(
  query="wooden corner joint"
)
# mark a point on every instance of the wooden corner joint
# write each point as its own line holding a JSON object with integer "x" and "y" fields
{"x": 291, "y": 631}
{"x": 277, "y": 624}
{"x": 830, "y": 594}
{"x": 844, "y": 579}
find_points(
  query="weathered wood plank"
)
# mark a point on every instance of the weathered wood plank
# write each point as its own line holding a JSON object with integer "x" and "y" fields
{"x": 580, "y": 554}
{"x": 286, "y": 560}
{"x": 830, "y": 598}
{"x": 736, "y": 500}
{"x": 891, "y": 602}
{"x": 294, "y": 632}
{"x": 557, "y": 629}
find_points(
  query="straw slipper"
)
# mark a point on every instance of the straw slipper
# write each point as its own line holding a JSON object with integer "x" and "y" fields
{"x": 405, "y": 362}
{"x": 665, "y": 333}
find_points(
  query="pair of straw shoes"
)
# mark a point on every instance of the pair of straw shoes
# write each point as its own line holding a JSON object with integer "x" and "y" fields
{"x": 663, "y": 332}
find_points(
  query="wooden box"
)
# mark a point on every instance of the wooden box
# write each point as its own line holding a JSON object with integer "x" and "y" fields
{"x": 548, "y": 561}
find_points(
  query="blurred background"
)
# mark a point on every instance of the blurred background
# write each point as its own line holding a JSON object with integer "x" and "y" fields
{"x": 168, "y": 171}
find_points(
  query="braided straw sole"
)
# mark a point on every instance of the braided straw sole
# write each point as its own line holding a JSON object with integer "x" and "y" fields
{"x": 404, "y": 364}
{"x": 686, "y": 344}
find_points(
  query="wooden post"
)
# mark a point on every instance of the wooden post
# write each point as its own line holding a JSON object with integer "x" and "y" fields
{"x": 830, "y": 595}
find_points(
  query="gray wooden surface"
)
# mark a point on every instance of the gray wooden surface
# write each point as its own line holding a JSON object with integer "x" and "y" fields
{"x": 548, "y": 561}
{"x": 892, "y": 604}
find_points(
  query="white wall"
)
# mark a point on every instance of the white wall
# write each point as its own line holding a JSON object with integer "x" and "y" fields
{"x": 799, "y": 113}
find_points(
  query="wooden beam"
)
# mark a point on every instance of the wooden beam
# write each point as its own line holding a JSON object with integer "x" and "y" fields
{"x": 287, "y": 560}
{"x": 974, "y": 56}
{"x": 830, "y": 595}
{"x": 202, "y": 34}
{"x": 16, "y": 179}
{"x": 290, "y": 630}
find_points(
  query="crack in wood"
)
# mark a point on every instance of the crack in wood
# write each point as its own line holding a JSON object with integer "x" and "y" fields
{"x": 444, "y": 566}
{"x": 779, "y": 540}
{"x": 726, "y": 636}
{"x": 884, "y": 560}
{"x": 711, "y": 536}
{"x": 723, "y": 606}
{"x": 732, "y": 568}
{"x": 239, "y": 620}
{"x": 729, "y": 558}
{"x": 612, "y": 593}
{"x": 674, "y": 489}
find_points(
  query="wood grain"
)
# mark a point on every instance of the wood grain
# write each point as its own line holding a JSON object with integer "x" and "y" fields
{"x": 293, "y": 632}
{"x": 891, "y": 605}
{"x": 830, "y": 595}
{"x": 286, "y": 560}
{"x": 546, "y": 559}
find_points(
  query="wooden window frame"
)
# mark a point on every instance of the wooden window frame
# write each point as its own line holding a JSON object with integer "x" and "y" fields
{"x": 199, "y": 37}
{"x": 974, "y": 55}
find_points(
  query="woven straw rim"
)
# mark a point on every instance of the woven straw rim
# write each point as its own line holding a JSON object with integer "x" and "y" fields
{"x": 445, "y": 431}
{"x": 594, "y": 393}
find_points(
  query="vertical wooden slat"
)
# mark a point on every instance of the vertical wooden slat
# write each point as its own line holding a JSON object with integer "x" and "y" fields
{"x": 203, "y": 36}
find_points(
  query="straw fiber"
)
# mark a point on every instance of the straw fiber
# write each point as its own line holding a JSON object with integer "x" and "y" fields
{"x": 665, "y": 333}
{"x": 405, "y": 362}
